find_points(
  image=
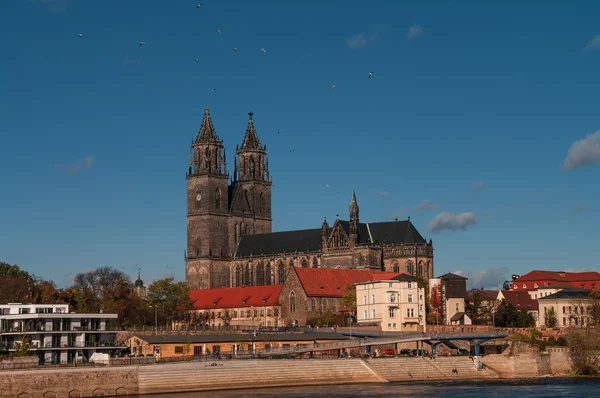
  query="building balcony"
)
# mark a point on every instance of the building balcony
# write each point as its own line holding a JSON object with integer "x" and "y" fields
{"x": 33, "y": 330}
{"x": 12, "y": 346}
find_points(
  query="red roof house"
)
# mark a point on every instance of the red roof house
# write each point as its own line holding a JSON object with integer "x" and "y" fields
{"x": 325, "y": 282}
{"x": 236, "y": 297}
{"x": 538, "y": 279}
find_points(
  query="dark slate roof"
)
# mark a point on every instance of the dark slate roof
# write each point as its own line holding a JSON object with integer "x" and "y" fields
{"x": 226, "y": 338}
{"x": 395, "y": 232}
{"x": 310, "y": 239}
{"x": 450, "y": 275}
{"x": 568, "y": 294}
{"x": 458, "y": 316}
{"x": 279, "y": 242}
{"x": 405, "y": 278}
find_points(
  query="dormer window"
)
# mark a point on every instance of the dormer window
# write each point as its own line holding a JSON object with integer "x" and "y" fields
{"x": 535, "y": 285}
{"x": 524, "y": 286}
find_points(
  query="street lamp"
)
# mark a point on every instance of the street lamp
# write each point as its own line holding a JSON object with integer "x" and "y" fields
{"x": 156, "y": 317}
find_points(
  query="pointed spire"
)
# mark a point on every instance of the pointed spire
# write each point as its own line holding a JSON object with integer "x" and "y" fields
{"x": 207, "y": 131}
{"x": 251, "y": 139}
{"x": 353, "y": 206}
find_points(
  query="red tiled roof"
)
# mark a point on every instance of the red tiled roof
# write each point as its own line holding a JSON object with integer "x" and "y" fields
{"x": 233, "y": 297}
{"x": 325, "y": 282}
{"x": 520, "y": 300}
{"x": 587, "y": 280}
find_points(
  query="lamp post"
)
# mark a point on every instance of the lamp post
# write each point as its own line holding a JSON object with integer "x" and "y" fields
{"x": 156, "y": 317}
{"x": 350, "y": 321}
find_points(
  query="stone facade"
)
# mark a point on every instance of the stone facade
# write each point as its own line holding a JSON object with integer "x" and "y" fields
{"x": 229, "y": 238}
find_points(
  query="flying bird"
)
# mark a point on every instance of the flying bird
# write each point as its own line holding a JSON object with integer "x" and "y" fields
{"x": 214, "y": 89}
{"x": 234, "y": 48}
{"x": 199, "y": 5}
{"x": 197, "y": 60}
{"x": 291, "y": 150}
{"x": 370, "y": 74}
{"x": 218, "y": 31}
{"x": 333, "y": 87}
{"x": 263, "y": 50}
{"x": 80, "y": 35}
{"x": 142, "y": 43}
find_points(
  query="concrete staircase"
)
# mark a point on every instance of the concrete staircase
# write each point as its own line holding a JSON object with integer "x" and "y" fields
{"x": 419, "y": 369}
{"x": 201, "y": 376}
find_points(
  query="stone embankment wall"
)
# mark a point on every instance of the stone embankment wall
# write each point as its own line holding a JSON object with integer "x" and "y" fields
{"x": 70, "y": 383}
{"x": 13, "y": 363}
{"x": 521, "y": 360}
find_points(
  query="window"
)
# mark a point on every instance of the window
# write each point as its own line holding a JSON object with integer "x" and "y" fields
{"x": 410, "y": 312}
{"x": 392, "y": 298}
{"x": 248, "y": 275}
{"x": 390, "y": 284}
{"x": 524, "y": 286}
{"x": 457, "y": 307}
{"x": 410, "y": 285}
{"x": 410, "y": 268}
{"x": 389, "y": 325}
{"x": 373, "y": 314}
{"x": 395, "y": 267}
{"x": 292, "y": 302}
{"x": 313, "y": 306}
{"x": 535, "y": 285}
{"x": 260, "y": 274}
{"x": 238, "y": 276}
{"x": 236, "y": 233}
{"x": 281, "y": 272}
{"x": 372, "y": 299}
{"x": 392, "y": 312}
{"x": 394, "y": 325}
{"x": 410, "y": 298}
{"x": 365, "y": 315}
{"x": 365, "y": 300}
{"x": 315, "y": 262}
{"x": 179, "y": 349}
{"x": 268, "y": 274}
{"x": 304, "y": 263}
{"x": 420, "y": 269}
{"x": 218, "y": 198}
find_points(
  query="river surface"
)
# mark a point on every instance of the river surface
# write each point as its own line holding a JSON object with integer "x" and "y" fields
{"x": 538, "y": 388}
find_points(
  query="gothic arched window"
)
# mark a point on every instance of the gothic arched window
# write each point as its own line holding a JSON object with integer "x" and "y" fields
{"x": 410, "y": 268}
{"x": 429, "y": 269}
{"x": 248, "y": 275}
{"x": 261, "y": 203}
{"x": 420, "y": 269}
{"x": 281, "y": 272}
{"x": 246, "y": 230}
{"x": 207, "y": 158}
{"x": 236, "y": 233}
{"x": 304, "y": 263}
{"x": 218, "y": 198}
{"x": 268, "y": 274}
{"x": 238, "y": 276}
{"x": 292, "y": 302}
{"x": 395, "y": 267}
{"x": 252, "y": 166}
{"x": 260, "y": 274}
{"x": 242, "y": 229}
{"x": 315, "y": 262}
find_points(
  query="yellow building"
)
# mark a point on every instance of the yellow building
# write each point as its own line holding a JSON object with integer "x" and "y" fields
{"x": 226, "y": 344}
{"x": 396, "y": 304}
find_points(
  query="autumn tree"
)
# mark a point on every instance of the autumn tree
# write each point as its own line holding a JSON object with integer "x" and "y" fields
{"x": 348, "y": 300}
{"x": 171, "y": 298}
{"x": 17, "y": 285}
{"x": 436, "y": 305}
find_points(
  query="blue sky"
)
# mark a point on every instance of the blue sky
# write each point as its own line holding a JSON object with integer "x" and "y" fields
{"x": 473, "y": 106}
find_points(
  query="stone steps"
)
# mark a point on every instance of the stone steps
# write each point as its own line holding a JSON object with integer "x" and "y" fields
{"x": 245, "y": 374}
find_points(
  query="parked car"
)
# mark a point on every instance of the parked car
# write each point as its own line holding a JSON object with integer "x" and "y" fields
{"x": 420, "y": 353}
{"x": 388, "y": 352}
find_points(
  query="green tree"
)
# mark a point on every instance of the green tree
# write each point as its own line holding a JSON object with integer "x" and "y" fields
{"x": 509, "y": 316}
{"x": 550, "y": 319}
{"x": 23, "y": 348}
{"x": 171, "y": 298}
{"x": 348, "y": 300}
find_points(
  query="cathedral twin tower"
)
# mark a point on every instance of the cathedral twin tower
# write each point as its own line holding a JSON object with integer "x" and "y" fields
{"x": 221, "y": 211}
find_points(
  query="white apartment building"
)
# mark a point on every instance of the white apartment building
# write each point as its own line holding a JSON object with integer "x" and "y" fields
{"x": 55, "y": 334}
{"x": 397, "y": 304}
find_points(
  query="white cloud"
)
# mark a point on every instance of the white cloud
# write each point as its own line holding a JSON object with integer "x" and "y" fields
{"x": 77, "y": 166}
{"x": 593, "y": 44}
{"x": 491, "y": 278}
{"x": 452, "y": 222}
{"x": 426, "y": 205}
{"x": 583, "y": 152}
{"x": 414, "y": 31}
{"x": 361, "y": 39}
{"x": 477, "y": 186}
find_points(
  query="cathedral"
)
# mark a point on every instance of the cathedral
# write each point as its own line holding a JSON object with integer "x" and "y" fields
{"x": 229, "y": 238}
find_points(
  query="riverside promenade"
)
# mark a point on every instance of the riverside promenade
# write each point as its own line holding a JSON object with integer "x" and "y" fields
{"x": 231, "y": 374}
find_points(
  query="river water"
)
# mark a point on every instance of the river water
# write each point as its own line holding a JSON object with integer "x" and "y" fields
{"x": 538, "y": 388}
